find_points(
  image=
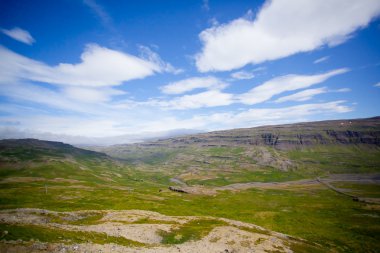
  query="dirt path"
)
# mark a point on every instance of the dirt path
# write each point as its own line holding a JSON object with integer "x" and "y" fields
{"x": 373, "y": 178}
{"x": 354, "y": 197}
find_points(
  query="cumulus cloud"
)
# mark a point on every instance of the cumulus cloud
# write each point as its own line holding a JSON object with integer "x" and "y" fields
{"x": 282, "y": 84}
{"x": 242, "y": 75}
{"x": 19, "y": 35}
{"x": 209, "y": 82}
{"x": 282, "y": 28}
{"x": 322, "y": 59}
{"x": 99, "y": 67}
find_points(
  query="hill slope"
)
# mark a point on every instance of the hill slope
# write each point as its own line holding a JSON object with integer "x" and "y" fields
{"x": 33, "y": 149}
{"x": 268, "y": 153}
{"x": 71, "y": 194}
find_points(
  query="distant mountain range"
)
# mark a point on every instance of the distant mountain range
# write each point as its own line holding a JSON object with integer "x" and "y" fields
{"x": 12, "y": 133}
{"x": 279, "y": 136}
{"x": 288, "y": 136}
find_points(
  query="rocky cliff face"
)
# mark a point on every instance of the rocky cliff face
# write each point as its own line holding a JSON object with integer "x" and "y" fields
{"x": 337, "y": 132}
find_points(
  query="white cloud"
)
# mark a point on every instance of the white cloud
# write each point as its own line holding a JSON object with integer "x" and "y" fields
{"x": 51, "y": 99}
{"x": 308, "y": 94}
{"x": 302, "y": 95}
{"x": 281, "y": 84}
{"x": 255, "y": 117}
{"x": 91, "y": 95}
{"x": 19, "y": 35}
{"x": 342, "y": 90}
{"x": 283, "y": 28}
{"x": 209, "y": 98}
{"x": 377, "y": 85}
{"x": 258, "y": 94}
{"x": 250, "y": 118}
{"x": 209, "y": 82}
{"x": 242, "y": 75}
{"x": 99, "y": 12}
{"x": 99, "y": 66}
{"x": 106, "y": 119}
{"x": 322, "y": 59}
{"x": 149, "y": 55}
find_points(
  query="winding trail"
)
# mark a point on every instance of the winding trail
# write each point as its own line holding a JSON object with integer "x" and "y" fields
{"x": 340, "y": 191}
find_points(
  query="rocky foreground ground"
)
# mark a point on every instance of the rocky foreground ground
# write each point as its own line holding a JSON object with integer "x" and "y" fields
{"x": 228, "y": 236}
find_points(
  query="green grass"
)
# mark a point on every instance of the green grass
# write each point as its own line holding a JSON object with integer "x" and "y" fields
{"x": 320, "y": 216}
{"x": 337, "y": 159}
{"x": 192, "y": 230}
{"x": 360, "y": 190}
{"x": 317, "y": 214}
{"x": 90, "y": 219}
{"x": 267, "y": 174}
{"x": 44, "y": 234}
{"x": 225, "y": 151}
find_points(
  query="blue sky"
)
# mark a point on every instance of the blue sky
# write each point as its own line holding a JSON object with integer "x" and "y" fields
{"x": 98, "y": 68}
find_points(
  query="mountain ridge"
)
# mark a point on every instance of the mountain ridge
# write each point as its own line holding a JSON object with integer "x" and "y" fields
{"x": 285, "y": 136}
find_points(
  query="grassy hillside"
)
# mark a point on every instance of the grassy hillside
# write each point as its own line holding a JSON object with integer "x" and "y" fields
{"x": 60, "y": 177}
{"x": 272, "y": 153}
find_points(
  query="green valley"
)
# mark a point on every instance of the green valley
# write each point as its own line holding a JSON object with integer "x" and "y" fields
{"x": 264, "y": 189}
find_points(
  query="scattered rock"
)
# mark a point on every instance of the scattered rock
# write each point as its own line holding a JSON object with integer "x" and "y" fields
{"x": 174, "y": 189}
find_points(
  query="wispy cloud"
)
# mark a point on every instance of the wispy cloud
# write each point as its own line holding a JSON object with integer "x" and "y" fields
{"x": 259, "y": 94}
{"x": 151, "y": 56}
{"x": 99, "y": 11}
{"x": 308, "y": 94}
{"x": 242, "y": 41}
{"x": 186, "y": 85}
{"x": 377, "y": 85}
{"x": 118, "y": 123}
{"x": 250, "y": 117}
{"x": 255, "y": 117}
{"x": 205, "y": 5}
{"x": 91, "y": 95}
{"x": 302, "y": 95}
{"x": 242, "y": 75}
{"x": 281, "y": 84}
{"x": 211, "y": 98}
{"x": 19, "y": 35}
{"x": 322, "y": 59}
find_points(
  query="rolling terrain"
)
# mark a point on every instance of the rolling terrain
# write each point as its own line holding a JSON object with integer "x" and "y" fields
{"x": 307, "y": 187}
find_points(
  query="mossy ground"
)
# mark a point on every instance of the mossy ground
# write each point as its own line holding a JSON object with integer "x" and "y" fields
{"x": 192, "y": 230}
{"x": 44, "y": 234}
{"x": 316, "y": 214}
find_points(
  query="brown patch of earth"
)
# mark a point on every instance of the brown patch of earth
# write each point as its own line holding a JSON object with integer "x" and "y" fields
{"x": 235, "y": 236}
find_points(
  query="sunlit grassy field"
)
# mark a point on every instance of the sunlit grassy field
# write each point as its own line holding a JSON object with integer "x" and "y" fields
{"x": 333, "y": 221}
